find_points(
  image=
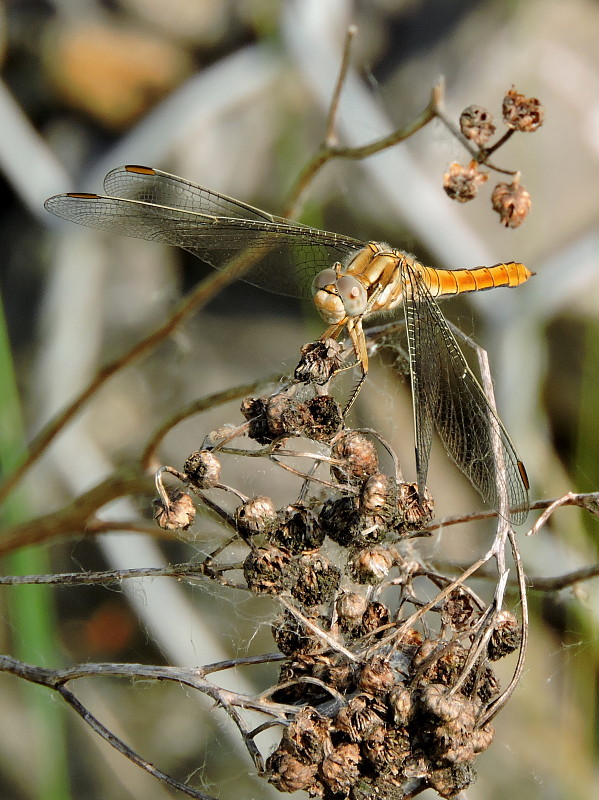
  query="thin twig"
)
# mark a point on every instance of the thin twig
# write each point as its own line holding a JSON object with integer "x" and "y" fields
{"x": 327, "y": 151}
{"x": 331, "y": 134}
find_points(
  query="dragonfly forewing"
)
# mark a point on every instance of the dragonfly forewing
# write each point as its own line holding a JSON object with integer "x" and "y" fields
{"x": 272, "y": 253}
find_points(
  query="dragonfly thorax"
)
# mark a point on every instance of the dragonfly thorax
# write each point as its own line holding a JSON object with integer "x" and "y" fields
{"x": 370, "y": 282}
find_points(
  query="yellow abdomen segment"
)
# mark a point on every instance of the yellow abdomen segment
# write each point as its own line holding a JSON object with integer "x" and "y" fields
{"x": 455, "y": 281}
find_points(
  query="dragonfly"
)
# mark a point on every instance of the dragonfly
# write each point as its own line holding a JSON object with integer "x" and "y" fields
{"x": 349, "y": 280}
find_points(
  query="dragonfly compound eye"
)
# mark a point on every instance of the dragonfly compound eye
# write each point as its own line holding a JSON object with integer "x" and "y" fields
{"x": 325, "y": 277}
{"x": 353, "y": 295}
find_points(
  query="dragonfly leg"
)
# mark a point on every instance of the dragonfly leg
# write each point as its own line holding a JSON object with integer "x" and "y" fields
{"x": 356, "y": 334}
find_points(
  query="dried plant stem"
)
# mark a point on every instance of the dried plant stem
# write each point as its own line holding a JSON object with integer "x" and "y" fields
{"x": 329, "y": 151}
{"x": 194, "y": 678}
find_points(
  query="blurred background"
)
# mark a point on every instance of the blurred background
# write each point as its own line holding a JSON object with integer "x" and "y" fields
{"x": 233, "y": 94}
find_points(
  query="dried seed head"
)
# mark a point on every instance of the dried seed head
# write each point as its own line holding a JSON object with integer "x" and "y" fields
{"x": 298, "y": 530}
{"x": 340, "y": 520}
{"x": 451, "y": 781}
{"x": 308, "y": 736}
{"x": 458, "y": 610}
{"x": 288, "y": 773}
{"x": 286, "y": 416}
{"x": 461, "y": 183}
{"x": 336, "y": 671}
{"x": 178, "y": 515}
{"x": 357, "y": 456}
{"x": 482, "y": 686}
{"x": 350, "y": 609}
{"x": 319, "y": 361}
{"x": 376, "y": 615}
{"x": 378, "y": 500}
{"x": 476, "y": 123}
{"x": 317, "y": 579}
{"x": 512, "y": 202}
{"x": 291, "y": 636}
{"x": 326, "y": 418}
{"x": 257, "y": 515}
{"x": 340, "y": 769}
{"x": 522, "y": 113}
{"x": 254, "y": 411}
{"x": 372, "y": 565}
{"x": 203, "y": 469}
{"x": 438, "y": 662}
{"x": 506, "y": 636}
{"x": 415, "y": 512}
{"x": 377, "y": 676}
{"x": 268, "y": 570}
{"x": 303, "y": 664}
{"x": 400, "y": 702}
{"x": 359, "y": 717}
{"x": 387, "y": 748}
{"x": 435, "y": 701}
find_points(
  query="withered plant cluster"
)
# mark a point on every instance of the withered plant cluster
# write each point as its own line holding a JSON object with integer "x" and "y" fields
{"x": 387, "y": 684}
{"x": 461, "y": 182}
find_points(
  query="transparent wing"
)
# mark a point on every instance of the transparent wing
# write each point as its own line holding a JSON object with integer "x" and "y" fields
{"x": 270, "y": 252}
{"x": 448, "y": 397}
{"x": 149, "y": 185}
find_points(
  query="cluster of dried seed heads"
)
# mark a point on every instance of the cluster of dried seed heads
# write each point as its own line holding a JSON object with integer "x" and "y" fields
{"x": 394, "y": 725}
{"x": 374, "y": 706}
{"x": 510, "y": 200}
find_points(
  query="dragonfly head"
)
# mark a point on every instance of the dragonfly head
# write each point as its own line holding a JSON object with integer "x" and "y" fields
{"x": 337, "y": 296}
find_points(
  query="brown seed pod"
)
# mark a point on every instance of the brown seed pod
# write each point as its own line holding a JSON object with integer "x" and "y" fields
{"x": 400, "y": 703}
{"x": 341, "y": 520}
{"x": 287, "y": 773}
{"x": 512, "y": 202}
{"x": 377, "y": 676}
{"x": 458, "y": 610}
{"x": 340, "y": 769}
{"x": 372, "y": 565}
{"x": 351, "y": 607}
{"x": 257, "y": 515}
{"x": 338, "y": 673}
{"x": 376, "y": 615}
{"x": 451, "y": 781}
{"x": 359, "y": 717}
{"x": 415, "y": 512}
{"x": 254, "y": 411}
{"x": 326, "y": 418}
{"x": 304, "y": 664}
{"x": 319, "y": 361}
{"x": 178, "y": 515}
{"x": 506, "y": 636}
{"x": 387, "y": 748}
{"x": 298, "y": 530}
{"x": 461, "y": 183}
{"x": 357, "y": 456}
{"x": 317, "y": 579}
{"x": 286, "y": 416}
{"x": 291, "y": 636}
{"x": 476, "y": 123}
{"x": 308, "y": 736}
{"x": 202, "y": 468}
{"x": 522, "y": 113}
{"x": 268, "y": 570}
{"x": 378, "y": 501}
